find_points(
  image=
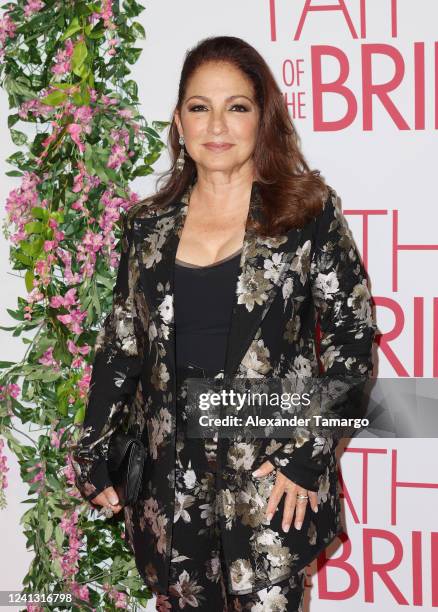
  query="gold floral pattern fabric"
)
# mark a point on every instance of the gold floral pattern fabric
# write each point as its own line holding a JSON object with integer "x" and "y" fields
{"x": 284, "y": 284}
{"x": 198, "y": 573}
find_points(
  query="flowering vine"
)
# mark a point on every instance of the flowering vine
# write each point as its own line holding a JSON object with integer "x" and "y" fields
{"x": 65, "y": 68}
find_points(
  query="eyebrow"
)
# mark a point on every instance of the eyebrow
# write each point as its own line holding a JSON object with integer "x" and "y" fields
{"x": 226, "y": 99}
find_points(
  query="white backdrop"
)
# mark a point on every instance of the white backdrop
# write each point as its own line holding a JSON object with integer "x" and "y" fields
{"x": 381, "y": 159}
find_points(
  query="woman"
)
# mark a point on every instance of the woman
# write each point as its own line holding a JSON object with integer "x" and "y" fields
{"x": 224, "y": 272}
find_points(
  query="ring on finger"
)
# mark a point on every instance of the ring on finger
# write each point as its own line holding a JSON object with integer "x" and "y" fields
{"x": 302, "y": 497}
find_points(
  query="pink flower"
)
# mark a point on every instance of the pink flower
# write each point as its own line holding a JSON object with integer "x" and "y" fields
{"x": 49, "y": 245}
{"x": 84, "y": 382}
{"x": 78, "y": 350}
{"x": 69, "y": 472}
{"x": 55, "y": 438}
{"x": 75, "y": 130}
{"x": 3, "y": 478}
{"x": 73, "y": 320}
{"x": 106, "y": 13}
{"x": 47, "y": 359}
{"x": 118, "y": 157}
{"x": 69, "y": 299}
{"x": 32, "y": 6}
{"x": 92, "y": 242}
{"x": 83, "y": 114}
{"x": 66, "y": 258}
{"x": 125, "y": 113}
{"x": 119, "y": 598}
{"x": 63, "y": 58}
{"x": 80, "y": 591}
{"x": 8, "y": 29}
{"x": 10, "y": 390}
{"x": 20, "y": 202}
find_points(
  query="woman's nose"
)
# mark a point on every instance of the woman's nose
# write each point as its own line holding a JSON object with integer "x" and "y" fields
{"x": 217, "y": 123}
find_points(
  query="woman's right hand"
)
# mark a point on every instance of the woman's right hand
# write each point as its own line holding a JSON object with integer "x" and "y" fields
{"x": 108, "y": 497}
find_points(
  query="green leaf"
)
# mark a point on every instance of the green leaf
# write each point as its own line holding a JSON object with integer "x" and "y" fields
{"x": 96, "y": 301}
{"x": 53, "y": 482}
{"x": 61, "y": 85}
{"x": 32, "y": 248}
{"x": 6, "y": 364}
{"x": 18, "y": 87}
{"x": 58, "y": 216}
{"x": 74, "y": 27}
{"x": 79, "y": 56}
{"x": 22, "y": 258}
{"x": 55, "y": 98}
{"x": 83, "y": 72}
{"x": 133, "y": 54}
{"x": 17, "y": 315}
{"x": 142, "y": 171}
{"x": 100, "y": 171}
{"x": 62, "y": 406}
{"x": 14, "y": 173}
{"x": 160, "y": 125}
{"x": 28, "y": 280}
{"x": 79, "y": 415}
{"x": 97, "y": 32}
{"x": 151, "y": 132}
{"x": 56, "y": 564}
{"x": 51, "y": 376}
{"x": 131, "y": 89}
{"x": 104, "y": 280}
{"x": 44, "y": 374}
{"x": 138, "y": 30}
{"x": 12, "y": 119}
{"x": 48, "y": 531}
{"x": 34, "y": 227}
{"x": 40, "y": 213}
{"x": 18, "y": 138}
{"x": 59, "y": 535}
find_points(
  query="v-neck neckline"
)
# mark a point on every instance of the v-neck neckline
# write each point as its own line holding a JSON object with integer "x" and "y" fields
{"x": 186, "y": 264}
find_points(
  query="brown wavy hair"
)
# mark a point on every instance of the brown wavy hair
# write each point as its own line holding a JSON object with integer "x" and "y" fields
{"x": 291, "y": 193}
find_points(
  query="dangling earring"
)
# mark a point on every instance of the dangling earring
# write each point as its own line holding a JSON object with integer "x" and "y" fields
{"x": 181, "y": 157}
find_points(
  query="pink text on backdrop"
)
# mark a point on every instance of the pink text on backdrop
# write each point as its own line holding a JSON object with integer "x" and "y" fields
{"x": 341, "y": 7}
{"x": 404, "y": 551}
{"x": 372, "y": 94}
{"x": 416, "y": 323}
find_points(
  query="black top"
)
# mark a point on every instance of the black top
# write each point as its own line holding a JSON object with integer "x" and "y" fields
{"x": 204, "y": 298}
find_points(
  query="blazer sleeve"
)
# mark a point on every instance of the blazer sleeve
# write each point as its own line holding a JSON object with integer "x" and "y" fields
{"x": 341, "y": 297}
{"x": 116, "y": 369}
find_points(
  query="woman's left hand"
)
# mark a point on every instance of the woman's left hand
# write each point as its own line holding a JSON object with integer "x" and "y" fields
{"x": 291, "y": 503}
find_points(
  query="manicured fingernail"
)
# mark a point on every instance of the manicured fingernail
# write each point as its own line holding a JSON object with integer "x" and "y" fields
{"x": 315, "y": 509}
{"x": 114, "y": 501}
{"x": 286, "y": 528}
{"x": 269, "y": 517}
{"x": 257, "y": 473}
{"x": 298, "y": 525}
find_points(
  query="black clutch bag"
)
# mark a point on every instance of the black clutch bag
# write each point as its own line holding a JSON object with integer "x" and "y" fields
{"x": 125, "y": 460}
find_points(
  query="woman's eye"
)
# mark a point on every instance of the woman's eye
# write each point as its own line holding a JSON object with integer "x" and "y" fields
{"x": 239, "y": 106}
{"x": 193, "y": 108}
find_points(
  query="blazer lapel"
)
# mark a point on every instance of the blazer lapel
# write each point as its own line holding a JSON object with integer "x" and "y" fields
{"x": 263, "y": 265}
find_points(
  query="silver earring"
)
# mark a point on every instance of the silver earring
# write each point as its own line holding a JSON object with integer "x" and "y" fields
{"x": 181, "y": 157}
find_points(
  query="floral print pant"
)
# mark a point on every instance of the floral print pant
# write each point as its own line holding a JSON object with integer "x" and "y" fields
{"x": 198, "y": 575}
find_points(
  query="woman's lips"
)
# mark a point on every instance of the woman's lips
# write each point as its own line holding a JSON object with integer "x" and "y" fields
{"x": 217, "y": 147}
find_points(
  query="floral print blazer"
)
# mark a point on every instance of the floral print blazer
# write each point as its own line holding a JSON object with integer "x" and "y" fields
{"x": 284, "y": 284}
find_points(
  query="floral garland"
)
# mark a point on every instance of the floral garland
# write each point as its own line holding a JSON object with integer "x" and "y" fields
{"x": 65, "y": 68}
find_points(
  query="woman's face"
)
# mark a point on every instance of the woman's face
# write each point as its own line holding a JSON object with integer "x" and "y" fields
{"x": 219, "y": 107}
